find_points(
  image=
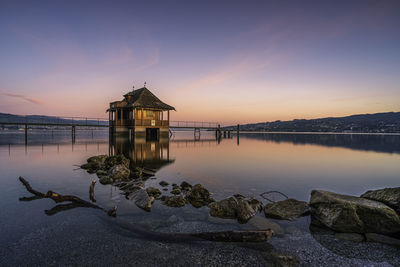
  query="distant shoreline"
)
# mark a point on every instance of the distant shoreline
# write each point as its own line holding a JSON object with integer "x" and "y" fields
{"x": 344, "y": 133}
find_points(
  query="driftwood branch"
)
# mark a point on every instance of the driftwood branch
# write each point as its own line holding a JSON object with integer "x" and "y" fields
{"x": 224, "y": 236}
{"x": 58, "y": 198}
{"x": 91, "y": 191}
{"x": 63, "y": 207}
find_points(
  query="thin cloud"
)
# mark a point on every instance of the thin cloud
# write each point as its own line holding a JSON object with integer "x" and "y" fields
{"x": 26, "y": 98}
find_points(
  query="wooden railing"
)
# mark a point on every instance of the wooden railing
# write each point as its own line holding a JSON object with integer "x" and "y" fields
{"x": 128, "y": 123}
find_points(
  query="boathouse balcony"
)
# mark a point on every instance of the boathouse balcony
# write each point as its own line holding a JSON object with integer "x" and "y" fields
{"x": 139, "y": 122}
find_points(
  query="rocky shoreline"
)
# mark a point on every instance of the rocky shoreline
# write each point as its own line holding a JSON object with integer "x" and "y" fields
{"x": 372, "y": 217}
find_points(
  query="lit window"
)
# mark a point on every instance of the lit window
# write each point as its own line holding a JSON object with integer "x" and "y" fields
{"x": 149, "y": 113}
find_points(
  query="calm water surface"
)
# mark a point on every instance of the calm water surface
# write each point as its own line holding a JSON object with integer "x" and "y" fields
{"x": 291, "y": 163}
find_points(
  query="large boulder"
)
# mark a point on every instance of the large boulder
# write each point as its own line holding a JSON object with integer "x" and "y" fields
{"x": 388, "y": 196}
{"x": 351, "y": 214}
{"x": 288, "y": 209}
{"x": 119, "y": 172}
{"x": 199, "y": 196}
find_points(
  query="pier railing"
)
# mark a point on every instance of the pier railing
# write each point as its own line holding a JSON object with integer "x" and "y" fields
{"x": 49, "y": 121}
{"x": 193, "y": 124}
{"x": 53, "y": 121}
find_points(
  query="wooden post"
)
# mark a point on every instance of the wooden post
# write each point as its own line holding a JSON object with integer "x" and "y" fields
{"x": 237, "y": 134}
{"x": 26, "y": 134}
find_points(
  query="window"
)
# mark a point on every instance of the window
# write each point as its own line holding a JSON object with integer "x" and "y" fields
{"x": 149, "y": 113}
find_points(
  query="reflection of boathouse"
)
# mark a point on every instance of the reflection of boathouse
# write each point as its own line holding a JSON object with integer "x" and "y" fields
{"x": 141, "y": 112}
{"x": 141, "y": 152}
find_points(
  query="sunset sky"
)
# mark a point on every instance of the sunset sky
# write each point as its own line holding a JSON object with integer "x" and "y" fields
{"x": 223, "y": 61}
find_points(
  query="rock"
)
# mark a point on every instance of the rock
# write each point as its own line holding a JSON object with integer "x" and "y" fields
{"x": 175, "y": 201}
{"x": 388, "y": 196}
{"x": 239, "y": 196}
{"x": 97, "y": 159}
{"x": 152, "y": 191}
{"x": 225, "y": 209}
{"x": 372, "y": 237}
{"x": 101, "y": 173}
{"x": 175, "y": 186}
{"x": 116, "y": 160}
{"x": 91, "y": 171}
{"x": 119, "y": 172}
{"x": 256, "y": 204}
{"x": 165, "y": 189}
{"x": 186, "y": 186}
{"x": 262, "y": 223}
{"x": 106, "y": 180}
{"x": 353, "y": 237}
{"x": 350, "y": 214}
{"x": 176, "y": 191}
{"x": 288, "y": 209}
{"x": 164, "y": 183}
{"x": 199, "y": 196}
{"x": 143, "y": 200}
{"x": 244, "y": 211}
{"x": 91, "y": 167}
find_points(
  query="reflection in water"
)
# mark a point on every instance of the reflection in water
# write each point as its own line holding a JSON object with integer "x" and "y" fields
{"x": 368, "y": 142}
{"x": 142, "y": 153}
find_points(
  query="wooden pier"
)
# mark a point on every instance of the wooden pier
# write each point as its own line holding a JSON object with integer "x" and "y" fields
{"x": 73, "y": 123}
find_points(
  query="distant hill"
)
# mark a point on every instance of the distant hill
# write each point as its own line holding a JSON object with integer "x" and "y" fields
{"x": 4, "y": 117}
{"x": 388, "y": 122}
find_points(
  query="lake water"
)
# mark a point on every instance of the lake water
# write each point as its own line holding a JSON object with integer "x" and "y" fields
{"x": 293, "y": 164}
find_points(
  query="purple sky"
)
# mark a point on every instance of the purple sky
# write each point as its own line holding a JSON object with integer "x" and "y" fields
{"x": 224, "y": 61}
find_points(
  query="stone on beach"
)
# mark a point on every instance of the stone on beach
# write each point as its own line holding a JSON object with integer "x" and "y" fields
{"x": 226, "y": 208}
{"x": 164, "y": 183}
{"x": 344, "y": 213}
{"x": 186, "y": 186}
{"x": 176, "y": 191}
{"x": 288, "y": 209}
{"x": 244, "y": 211}
{"x": 152, "y": 191}
{"x": 174, "y": 201}
{"x": 143, "y": 200}
{"x": 234, "y": 208}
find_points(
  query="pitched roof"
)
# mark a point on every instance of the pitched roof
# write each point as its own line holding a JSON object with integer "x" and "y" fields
{"x": 143, "y": 98}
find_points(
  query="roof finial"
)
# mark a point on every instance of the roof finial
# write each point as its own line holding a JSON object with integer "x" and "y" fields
{"x": 144, "y": 85}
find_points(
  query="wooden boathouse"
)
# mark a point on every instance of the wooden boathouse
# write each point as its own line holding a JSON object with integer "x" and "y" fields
{"x": 141, "y": 113}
